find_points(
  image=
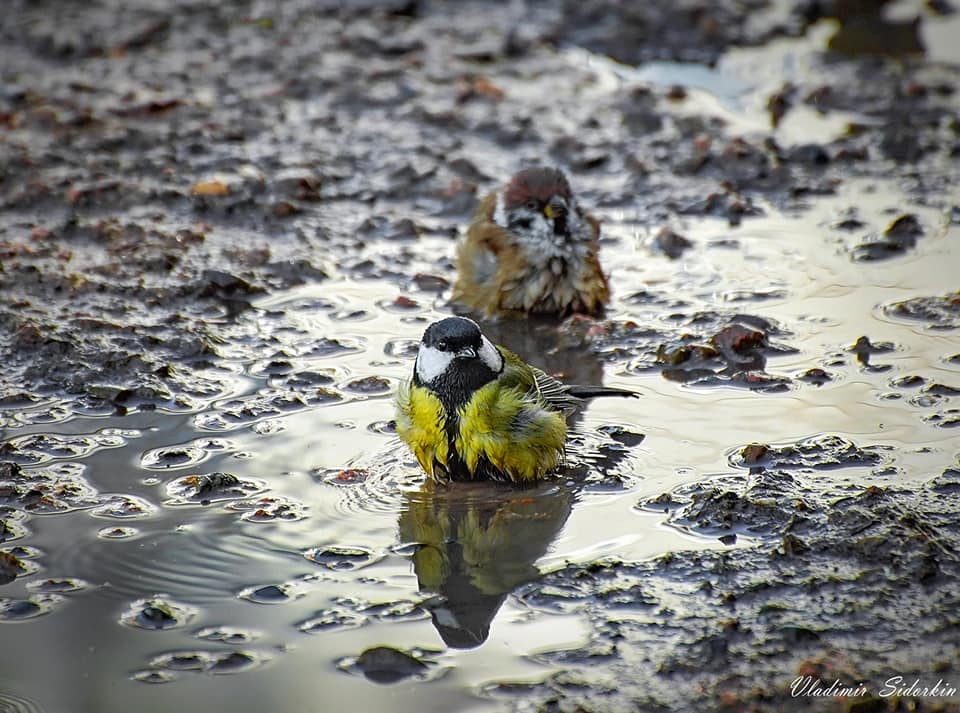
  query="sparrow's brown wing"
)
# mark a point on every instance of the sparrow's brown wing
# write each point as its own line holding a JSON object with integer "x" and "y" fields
{"x": 478, "y": 261}
{"x": 480, "y": 254}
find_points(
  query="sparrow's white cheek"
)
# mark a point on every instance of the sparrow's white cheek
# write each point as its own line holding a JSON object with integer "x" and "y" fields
{"x": 500, "y": 211}
{"x": 431, "y": 363}
{"x": 490, "y": 356}
{"x": 580, "y": 232}
{"x": 537, "y": 236}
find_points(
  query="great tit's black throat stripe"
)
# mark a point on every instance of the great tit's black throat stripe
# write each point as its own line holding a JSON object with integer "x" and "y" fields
{"x": 454, "y": 389}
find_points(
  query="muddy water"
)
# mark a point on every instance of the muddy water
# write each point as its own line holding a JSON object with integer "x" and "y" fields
{"x": 250, "y": 542}
{"x": 239, "y": 571}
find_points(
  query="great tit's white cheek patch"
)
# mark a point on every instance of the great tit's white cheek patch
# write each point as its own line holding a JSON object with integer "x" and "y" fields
{"x": 431, "y": 363}
{"x": 490, "y": 356}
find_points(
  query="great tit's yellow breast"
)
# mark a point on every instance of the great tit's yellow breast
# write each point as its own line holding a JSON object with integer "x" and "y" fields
{"x": 420, "y": 424}
{"x": 511, "y": 430}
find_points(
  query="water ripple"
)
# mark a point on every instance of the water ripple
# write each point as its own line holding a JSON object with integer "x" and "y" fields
{"x": 207, "y": 561}
{"x": 374, "y": 483}
{"x": 10, "y": 703}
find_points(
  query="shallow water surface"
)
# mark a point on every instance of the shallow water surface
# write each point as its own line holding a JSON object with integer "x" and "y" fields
{"x": 330, "y": 542}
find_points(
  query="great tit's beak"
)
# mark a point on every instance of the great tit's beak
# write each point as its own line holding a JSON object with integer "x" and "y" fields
{"x": 555, "y": 208}
{"x": 466, "y": 353}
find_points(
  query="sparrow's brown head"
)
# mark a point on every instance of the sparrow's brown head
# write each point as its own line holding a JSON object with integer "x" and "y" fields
{"x": 538, "y": 202}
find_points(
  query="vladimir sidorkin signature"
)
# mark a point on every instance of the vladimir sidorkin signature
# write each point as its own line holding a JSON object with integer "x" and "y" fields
{"x": 899, "y": 686}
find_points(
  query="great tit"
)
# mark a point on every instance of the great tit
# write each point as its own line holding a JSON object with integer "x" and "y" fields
{"x": 531, "y": 249}
{"x": 476, "y": 411}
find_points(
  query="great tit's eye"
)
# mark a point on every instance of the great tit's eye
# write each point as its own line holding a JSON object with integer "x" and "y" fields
{"x": 442, "y": 345}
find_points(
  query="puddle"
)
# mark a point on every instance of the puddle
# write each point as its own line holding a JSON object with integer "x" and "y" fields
{"x": 737, "y": 89}
{"x": 354, "y": 560}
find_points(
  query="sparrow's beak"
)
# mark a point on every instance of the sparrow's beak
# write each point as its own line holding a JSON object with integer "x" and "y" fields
{"x": 466, "y": 353}
{"x": 556, "y": 208}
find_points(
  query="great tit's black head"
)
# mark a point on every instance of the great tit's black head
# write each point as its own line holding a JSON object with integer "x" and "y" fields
{"x": 454, "y": 335}
{"x": 455, "y": 359}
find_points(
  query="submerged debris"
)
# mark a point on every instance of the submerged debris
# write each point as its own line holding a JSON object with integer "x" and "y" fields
{"x": 124, "y": 507}
{"x": 369, "y": 385}
{"x": 340, "y": 557}
{"x": 817, "y": 453}
{"x": 269, "y": 594}
{"x": 735, "y": 354}
{"x": 158, "y": 613}
{"x": 209, "y": 487}
{"x": 331, "y": 620}
{"x": 671, "y": 243}
{"x": 37, "y": 605}
{"x": 216, "y": 662}
{"x": 227, "y": 634}
{"x": 10, "y": 567}
{"x": 268, "y": 508}
{"x": 152, "y": 676}
{"x": 901, "y": 235}
{"x": 941, "y": 312}
{"x": 865, "y": 349}
{"x": 385, "y": 664}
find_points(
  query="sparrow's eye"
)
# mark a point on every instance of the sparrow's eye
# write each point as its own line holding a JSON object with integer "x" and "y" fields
{"x": 532, "y": 204}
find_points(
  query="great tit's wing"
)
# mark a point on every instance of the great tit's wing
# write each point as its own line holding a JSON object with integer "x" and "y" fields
{"x": 516, "y": 372}
{"x": 554, "y": 392}
{"x": 538, "y": 384}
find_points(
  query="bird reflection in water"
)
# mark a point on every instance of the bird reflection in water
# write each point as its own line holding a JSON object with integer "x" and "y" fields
{"x": 476, "y": 543}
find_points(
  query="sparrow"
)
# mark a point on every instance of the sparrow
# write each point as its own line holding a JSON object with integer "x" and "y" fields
{"x": 531, "y": 249}
{"x": 476, "y": 411}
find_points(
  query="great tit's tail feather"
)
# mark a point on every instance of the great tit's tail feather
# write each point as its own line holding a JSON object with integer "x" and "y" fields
{"x": 592, "y": 392}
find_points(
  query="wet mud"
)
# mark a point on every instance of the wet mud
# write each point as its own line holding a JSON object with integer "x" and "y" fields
{"x": 223, "y": 229}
